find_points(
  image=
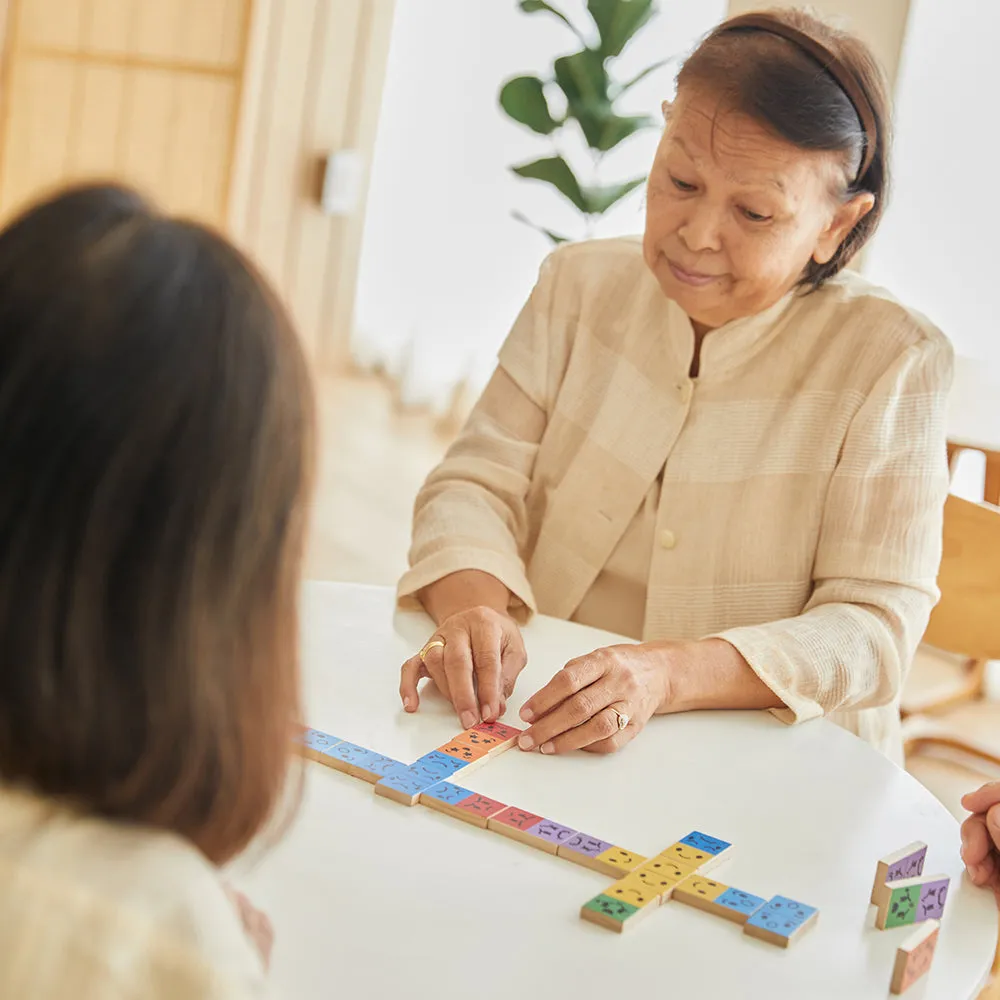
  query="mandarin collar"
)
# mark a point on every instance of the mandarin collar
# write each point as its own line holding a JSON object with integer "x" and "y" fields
{"x": 733, "y": 344}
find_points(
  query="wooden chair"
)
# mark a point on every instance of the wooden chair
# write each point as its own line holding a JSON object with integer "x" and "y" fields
{"x": 938, "y": 681}
{"x": 966, "y": 622}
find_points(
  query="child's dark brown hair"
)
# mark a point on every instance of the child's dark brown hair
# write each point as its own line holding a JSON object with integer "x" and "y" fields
{"x": 155, "y": 463}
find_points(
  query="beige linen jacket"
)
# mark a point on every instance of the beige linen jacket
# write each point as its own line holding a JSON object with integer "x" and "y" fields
{"x": 802, "y": 475}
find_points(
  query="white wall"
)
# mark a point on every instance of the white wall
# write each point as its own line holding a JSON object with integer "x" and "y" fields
{"x": 444, "y": 267}
{"x": 937, "y": 248}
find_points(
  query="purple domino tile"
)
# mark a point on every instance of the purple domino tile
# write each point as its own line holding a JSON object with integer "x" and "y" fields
{"x": 909, "y": 867}
{"x": 583, "y": 843}
{"x": 554, "y": 833}
{"x": 933, "y": 896}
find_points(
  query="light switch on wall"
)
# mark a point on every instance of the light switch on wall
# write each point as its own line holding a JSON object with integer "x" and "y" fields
{"x": 342, "y": 182}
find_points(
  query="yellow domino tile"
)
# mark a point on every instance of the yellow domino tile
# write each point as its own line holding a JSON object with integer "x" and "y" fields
{"x": 660, "y": 881}
{"x": 633, "y": 891}
{"x": 698, "y": 887}
{"x": 686, "y": 857}
{"x": 617, "y": 859}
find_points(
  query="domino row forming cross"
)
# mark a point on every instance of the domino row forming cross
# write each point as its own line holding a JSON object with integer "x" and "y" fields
{"x": 641, "y": 884}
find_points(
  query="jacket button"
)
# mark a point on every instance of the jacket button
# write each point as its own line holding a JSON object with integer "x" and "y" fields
{"x": 667, "y": 539}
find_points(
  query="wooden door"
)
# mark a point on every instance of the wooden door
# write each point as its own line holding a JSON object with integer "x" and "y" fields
{"x": 147, "y": 92}
{"x": 224, "y": 110}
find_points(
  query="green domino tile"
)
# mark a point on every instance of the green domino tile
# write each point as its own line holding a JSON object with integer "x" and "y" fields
{"x": 903, "y": 906}
{"x": 613, "y": 909}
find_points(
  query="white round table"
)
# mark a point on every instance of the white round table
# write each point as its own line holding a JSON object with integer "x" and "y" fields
{"x": 373, "y": 899}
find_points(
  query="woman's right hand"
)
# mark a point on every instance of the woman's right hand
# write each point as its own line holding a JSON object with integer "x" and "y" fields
{"x": 475, "y": 669}
{"x": 981, "y": 836}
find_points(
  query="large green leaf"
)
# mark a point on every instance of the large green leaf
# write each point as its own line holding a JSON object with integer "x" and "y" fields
{"x": 523, "y": 98}
{"x": 618, "y": 21}
{"x": 584, "y": 80}
{"x": 600, "y": 199}
{"x": 556, "y": 171}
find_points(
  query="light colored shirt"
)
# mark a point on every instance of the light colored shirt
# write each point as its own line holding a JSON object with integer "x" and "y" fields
{"x": 93, "y": 910}
{"x": 789, "y": 499}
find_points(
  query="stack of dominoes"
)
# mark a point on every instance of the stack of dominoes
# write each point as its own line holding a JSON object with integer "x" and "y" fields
{"x": 903, "y": 896}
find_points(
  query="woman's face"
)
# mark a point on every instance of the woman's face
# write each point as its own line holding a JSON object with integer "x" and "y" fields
{"x": 734, "y": 214}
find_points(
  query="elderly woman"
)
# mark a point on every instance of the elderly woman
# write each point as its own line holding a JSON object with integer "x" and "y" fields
{"x": 715, "y": 440}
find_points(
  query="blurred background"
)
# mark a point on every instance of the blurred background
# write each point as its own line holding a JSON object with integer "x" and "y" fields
{"x": 359, "y": 151}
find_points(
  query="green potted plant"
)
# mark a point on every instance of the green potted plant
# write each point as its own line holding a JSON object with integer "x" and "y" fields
{"x": 592, "y": 91}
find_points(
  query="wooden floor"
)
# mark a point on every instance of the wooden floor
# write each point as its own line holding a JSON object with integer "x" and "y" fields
{"x": 373, "y": 460}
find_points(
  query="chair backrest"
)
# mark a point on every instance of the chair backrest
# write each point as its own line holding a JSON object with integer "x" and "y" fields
{"x": 967, "y": 620}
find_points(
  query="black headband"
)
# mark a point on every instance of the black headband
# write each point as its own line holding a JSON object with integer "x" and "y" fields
{"x": 830, "y": 62}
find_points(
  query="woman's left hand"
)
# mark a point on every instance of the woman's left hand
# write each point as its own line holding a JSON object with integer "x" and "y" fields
{"x": 598, "y": 702}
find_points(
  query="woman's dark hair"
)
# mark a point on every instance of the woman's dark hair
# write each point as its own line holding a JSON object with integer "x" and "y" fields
{"x": 156, "y": 456}
{"x": 779, "y": 84}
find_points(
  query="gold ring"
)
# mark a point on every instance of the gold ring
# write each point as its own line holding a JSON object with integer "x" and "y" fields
{"x": 433, "y": 644}
{"x": 623, "y": 719}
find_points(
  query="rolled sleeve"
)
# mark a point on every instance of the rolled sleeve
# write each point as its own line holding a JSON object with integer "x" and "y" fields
{"x": 878, "y": 555}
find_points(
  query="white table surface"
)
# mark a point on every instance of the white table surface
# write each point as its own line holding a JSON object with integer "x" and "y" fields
{"x": 372, "y": 899}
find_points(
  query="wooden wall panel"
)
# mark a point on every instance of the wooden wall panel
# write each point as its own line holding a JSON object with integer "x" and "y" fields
{"x": 101, "y": 95}
{"x": 200, "y": 148}
{"x": 328, "y": 103}
{"x": 221, "y": 109}
{"x": 146, "y": 91}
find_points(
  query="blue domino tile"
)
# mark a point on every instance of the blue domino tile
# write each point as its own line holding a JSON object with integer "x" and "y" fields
{"x": 376, "y": 763}
{"x": 703, "y": 842}
{"x": 319, "y": 741}
{"x": 436, "y": 765}
{"x": 408, "y": 782}
{"x": 781, "y": 916}
{"x": 445, "y": 791}
{"x": 350, "y": 753}
{"x": 740, "y": 901}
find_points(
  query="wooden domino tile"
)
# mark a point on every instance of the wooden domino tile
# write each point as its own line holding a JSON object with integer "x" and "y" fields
{"x": 668, "y": 872}
{"x": 405, "y": 786}
{"x": 914, "y": 957}
{"x": 635, "y": 891}
{"x": 582, "y": 849}
{"x": 469, "y": 756}
{"x": 907, "y": 862}
{"x": 344, "y": 755}
{"x": 613, "y": 914}
{"x": 461, "y": 803}
{"x": 719, "y": 899}
{"x": 374, "y": 766}
{"x": 781, "y": 921}
{"x": 698, "y": 852}
{"x": 549, "y": 835}
{"x": 477, "y": 809}
{"x": 618, "y": 861}
{"x": 516, "y": 824}
{"x": 912, "y": 901}
{"x": 316, "y": 745}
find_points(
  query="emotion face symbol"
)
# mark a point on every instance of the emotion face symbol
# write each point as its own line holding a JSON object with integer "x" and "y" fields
{"x": 686, "y": 855}
{"x": 475, "y": 738}
{"x": 667, "y": 869}
{"x": 616, "y": 909}
{"x": 480, "y": 805}
{"x": 634, "y": 893}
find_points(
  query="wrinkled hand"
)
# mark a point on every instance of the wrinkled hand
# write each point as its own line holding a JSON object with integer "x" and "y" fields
{"x": 576, "y": 709}
{"x": 981, "y": 836}
{"x": 256, "y": 924}
{"x": 477, "y": 668}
